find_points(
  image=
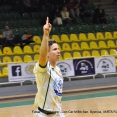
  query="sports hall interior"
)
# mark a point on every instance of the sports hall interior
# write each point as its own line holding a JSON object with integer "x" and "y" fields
{"x": 82, "y": 95}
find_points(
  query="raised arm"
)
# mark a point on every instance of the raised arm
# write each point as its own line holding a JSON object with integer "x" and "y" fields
{"x": 44, "y": 45}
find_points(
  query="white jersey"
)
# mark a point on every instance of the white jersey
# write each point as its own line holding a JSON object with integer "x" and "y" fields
{"x": 49, "y": 85}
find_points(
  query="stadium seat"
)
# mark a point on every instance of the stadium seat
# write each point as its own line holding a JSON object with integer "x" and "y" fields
{"x": 72, "y": 29}
{"x": 86, "y": 54}
{"x": 108, "y": 35}
{"x": 111, "y": 44}
{"x": 17, "y": 59}
{"x": 36, "y": 57}
{"x": 27, "y": 58}
{"x": 7, "y": 51}
{"x": 63, "y": 30}
{"x": 37, "y": 39}
{"x": 5, "y": 71}
{"x": 1, "y": 75}
{"x": 59, "y": 46}
{"x": 17, "y": 50}
{"x": 89, "y": 29}
{"x": 65, "y": 38}
{"x": 36, "y": 48}
{"x": 79, "y": 21}
{"x": 82, "y": 37}
{"x": 100, "y": 36}
{"x": 74, "y": 38}
{"x": 80, "y": 29}
{"x": 66, "y": 47}
{"x": 1, "y": 53}
{"x": 61, "y": 57}
{"x": 113, "y": 52}
{"x": 75, "y": 46}
{"x": 28, "y": 50}
{"x": 93, "y": 45}
{"x": 7, "y": 59}
{"x": 55, "y": 30}
{"x": 102, "y": 44}
{"x": 26, "y": 16}
{"x": 85, "y": 46}
{"x": 56, "y": 37}
{"x": 113, "y": 27}
{"x": 91, "y": 36}
{"x": 95, "y": 53}
{"x": 76, "y": 54}
{"x": 97, "y": 28}
{"x": 115, "y": 34}
{"x": 67, "y": 55}
{"x": 104, "y": 52}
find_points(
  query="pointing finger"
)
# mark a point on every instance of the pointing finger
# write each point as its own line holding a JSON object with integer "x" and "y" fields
{"x": 47, "y": 20}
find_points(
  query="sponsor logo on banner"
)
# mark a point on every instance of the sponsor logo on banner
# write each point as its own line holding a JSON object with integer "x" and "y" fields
{"x": 66, "y": 67}
{"x": 105, "y": 64}
{"x": 84, "y": 66}
{"x": 16, "y": 70}
{"x": 29, "y": 69}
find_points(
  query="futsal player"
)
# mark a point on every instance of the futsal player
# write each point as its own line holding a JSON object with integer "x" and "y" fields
{"x": 48, "y": 78}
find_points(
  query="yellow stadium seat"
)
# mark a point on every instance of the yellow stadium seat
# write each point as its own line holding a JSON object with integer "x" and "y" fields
{"x": 104, "y": 53}
{"x": 86, "y": 54}
{"x": 102, "y": 44}
{"x": 93, "y": 45}
{"x": 85, "y": 46}
{"x": 27, "y": 58}
{"x": 113, "y": 52}
{"x": 17, "y": 50}
{"x": 108, "y": 35}
{"x": 115, "y": 34}
{"x": 5, "y": 71}
{"x": 7, "y": 51}
{"x": 1, "y": 53}
{"x": 91, "y": 36}
{"x": 100, "y": 36}
{"x": 7, "y": 59}
{"x": 17, "y": 59}
{"x": 28, "y": 50}
{"x": 67, "y": 55}
{"x": 36, "y": 57}
{"x": 82, "y": 37}
{"x": 65, "y": 38}
{"x": 76, "y": 54}
{"x": 1, "y": 75}
{"x": 74, "y": 38}
{"x": 36, "y": 48}
{"x": 95, "y": 53}
{"x": 75, "y": 46}
{"x": 56, "y": 38}
{"x": 111, "y": 44}
{"x": 59, "y": 46}
{"x": 37, "y": 39}
{"x": 66, "y": 47}
{"x": 61, "y": 58}
{"x": 116, "y": 61}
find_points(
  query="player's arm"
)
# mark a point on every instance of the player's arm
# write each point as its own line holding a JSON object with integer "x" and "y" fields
{"x": 44, "y": 45}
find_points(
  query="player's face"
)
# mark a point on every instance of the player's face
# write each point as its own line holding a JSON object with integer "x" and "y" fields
{"x": 54, "y": 52}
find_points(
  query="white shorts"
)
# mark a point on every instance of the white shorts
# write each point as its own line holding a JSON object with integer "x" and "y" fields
{"x": 40, "y": 114}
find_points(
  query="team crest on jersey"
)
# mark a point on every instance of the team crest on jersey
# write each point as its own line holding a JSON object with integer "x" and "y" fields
{"x": 58, "y": 84}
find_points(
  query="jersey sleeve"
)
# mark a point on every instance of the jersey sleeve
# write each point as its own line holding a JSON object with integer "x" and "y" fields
{"x": 39, "y": 68}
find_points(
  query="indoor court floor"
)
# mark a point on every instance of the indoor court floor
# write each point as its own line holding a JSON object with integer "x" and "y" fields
{"x": 102, "y": 104}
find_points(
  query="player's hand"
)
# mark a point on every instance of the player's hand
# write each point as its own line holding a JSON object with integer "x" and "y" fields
{"x": 47, "y": 27}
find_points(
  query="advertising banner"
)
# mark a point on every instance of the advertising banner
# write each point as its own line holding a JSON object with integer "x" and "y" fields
{"x": 21, "y": 72}
{"x": 84, "y": 66}
{"x": 105, "y": 64}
